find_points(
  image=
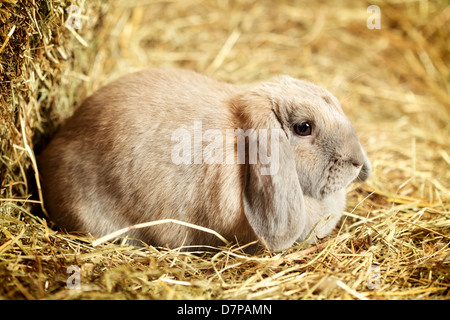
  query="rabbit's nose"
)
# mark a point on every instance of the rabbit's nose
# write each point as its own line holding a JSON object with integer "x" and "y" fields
{"x": 356, "y": 156}
{"x": 361, "y": 161}
{"x": 357, "y": 164}
{"x": 357, "y": 159}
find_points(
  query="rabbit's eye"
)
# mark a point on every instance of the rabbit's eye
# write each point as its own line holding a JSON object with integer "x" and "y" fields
{"x": 303, "y": 129}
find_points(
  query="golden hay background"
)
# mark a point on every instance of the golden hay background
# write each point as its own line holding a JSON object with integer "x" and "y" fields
{"x": 393, "y": 83}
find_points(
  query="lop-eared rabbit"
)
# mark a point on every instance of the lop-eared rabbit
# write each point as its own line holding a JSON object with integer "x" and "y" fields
{"x": 269, "y": 161}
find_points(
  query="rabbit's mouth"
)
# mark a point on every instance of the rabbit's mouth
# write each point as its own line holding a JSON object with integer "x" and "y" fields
{"x": 339, "y": 175}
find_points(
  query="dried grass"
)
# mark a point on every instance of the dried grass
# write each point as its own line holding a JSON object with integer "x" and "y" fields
{"x": 393, "y": 83}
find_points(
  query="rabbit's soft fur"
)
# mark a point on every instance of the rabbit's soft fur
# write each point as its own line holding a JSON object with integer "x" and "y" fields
{"x": 110, "y": 166}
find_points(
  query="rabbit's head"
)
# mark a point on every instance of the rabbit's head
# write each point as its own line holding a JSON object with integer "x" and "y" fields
{"x": 319, "y": 154}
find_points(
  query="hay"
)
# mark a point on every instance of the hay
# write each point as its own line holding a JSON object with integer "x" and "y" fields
{"x": 394, "y": 239}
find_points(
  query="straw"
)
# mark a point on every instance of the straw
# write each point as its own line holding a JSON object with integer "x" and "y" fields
{"x": 119, "y": 232}
{"x": 393, "y": 83}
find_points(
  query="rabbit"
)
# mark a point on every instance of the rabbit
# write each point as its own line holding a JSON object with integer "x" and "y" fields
{"x": 118, "y": 161}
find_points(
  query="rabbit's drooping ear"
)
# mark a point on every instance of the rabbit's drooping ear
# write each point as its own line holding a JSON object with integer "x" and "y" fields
{"x": 273, "y": 199}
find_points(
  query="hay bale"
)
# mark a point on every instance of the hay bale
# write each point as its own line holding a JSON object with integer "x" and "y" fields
{"x": 42, "y": 66}
{"x": 393, "y": 82}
